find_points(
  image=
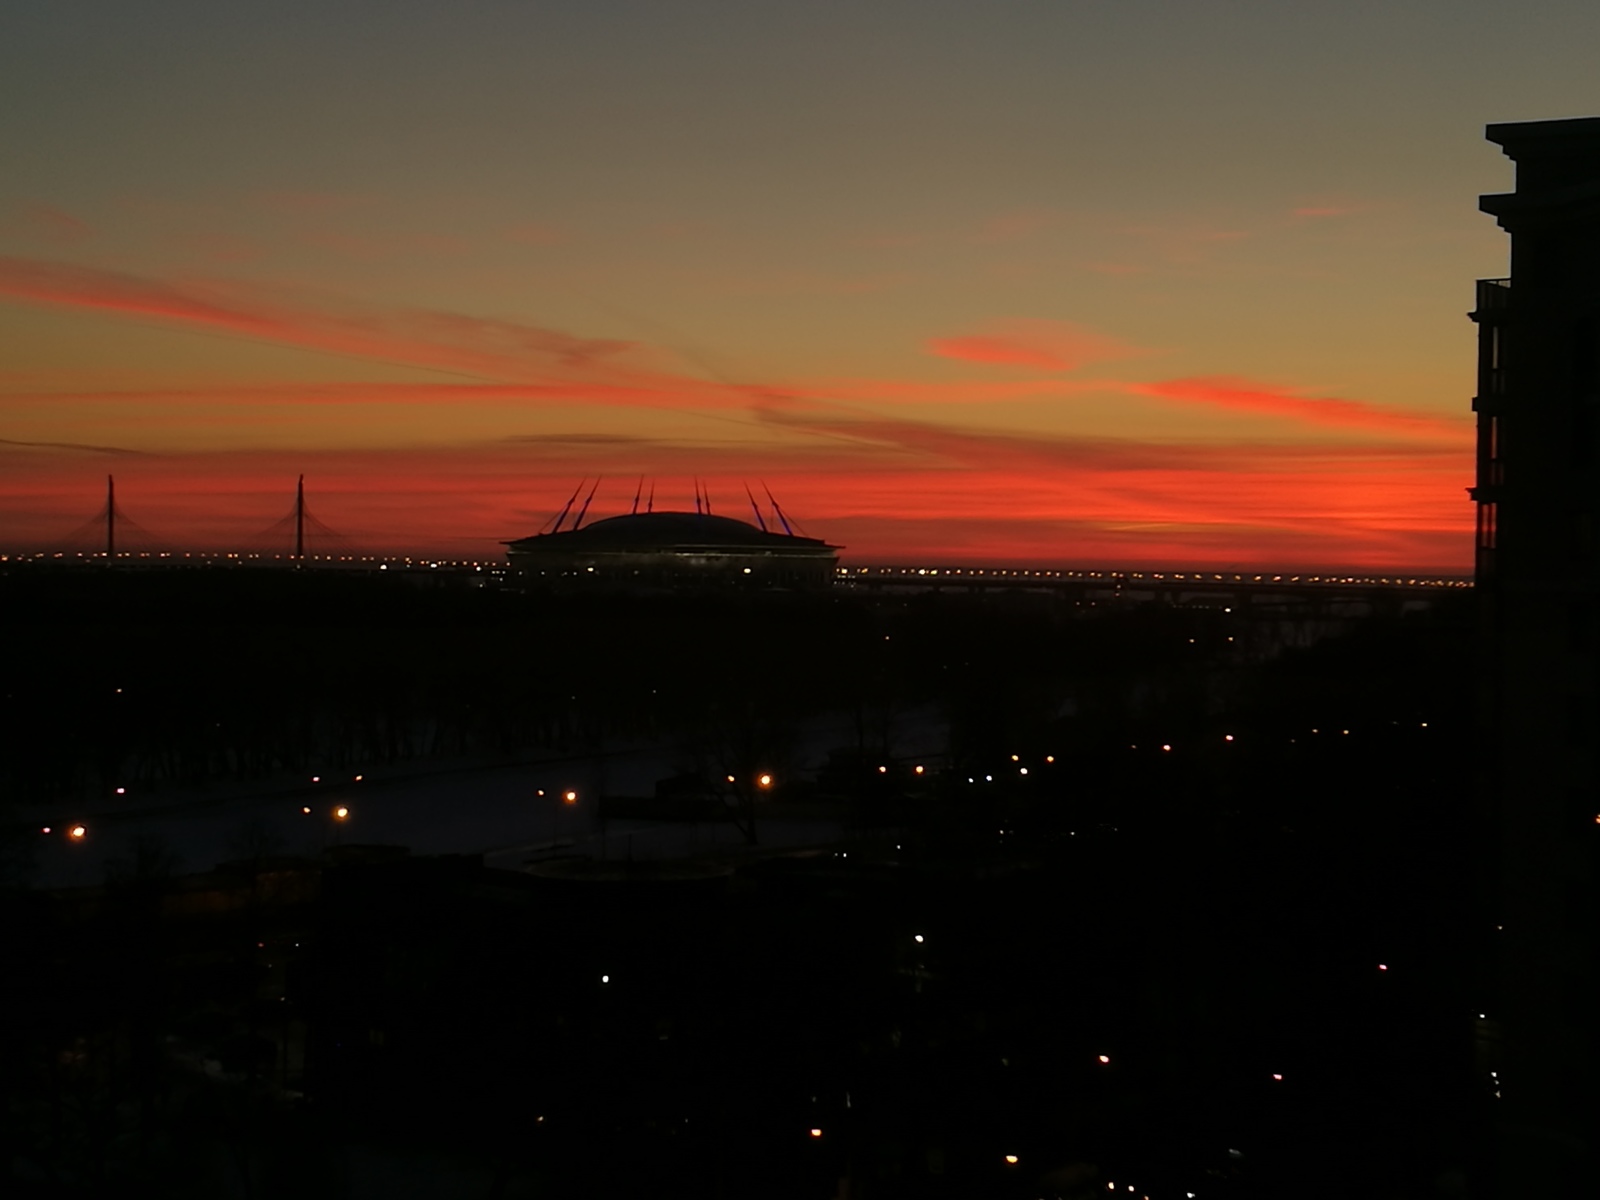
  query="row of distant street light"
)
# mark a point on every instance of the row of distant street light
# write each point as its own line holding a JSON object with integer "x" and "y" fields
{"x": 984, "y": 573}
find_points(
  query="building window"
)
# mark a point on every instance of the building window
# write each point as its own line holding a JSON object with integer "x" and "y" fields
{"x": 1493, "y": 471}
{"x": 1488, "y": 519}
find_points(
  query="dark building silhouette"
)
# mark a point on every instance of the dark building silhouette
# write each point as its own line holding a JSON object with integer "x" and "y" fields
{"x": 1538, "y": 406}
{"x": 672, "y": 550}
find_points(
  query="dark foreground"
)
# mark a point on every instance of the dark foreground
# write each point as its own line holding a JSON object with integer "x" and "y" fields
{"x": 1120, "y": 952}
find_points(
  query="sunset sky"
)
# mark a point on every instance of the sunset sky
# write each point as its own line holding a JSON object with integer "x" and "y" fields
{"x": 1069, "y": 282}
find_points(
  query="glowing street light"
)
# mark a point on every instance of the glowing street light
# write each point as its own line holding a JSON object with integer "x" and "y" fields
{"x": 816, "y": 1133}
{"x": 1104, "y": 1059}
{"x": 77, "y": 833}
{"x": 341, "y": 812}
{"x": 570, "y": 797}
{"x": 764, "y": 780}
{"x": 1011, "y": 1160}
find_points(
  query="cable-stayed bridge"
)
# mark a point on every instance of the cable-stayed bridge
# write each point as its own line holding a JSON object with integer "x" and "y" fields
{"x": 111, "y": 535}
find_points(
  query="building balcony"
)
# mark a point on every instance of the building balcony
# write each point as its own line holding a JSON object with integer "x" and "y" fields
{"x": 1494, "y": 295}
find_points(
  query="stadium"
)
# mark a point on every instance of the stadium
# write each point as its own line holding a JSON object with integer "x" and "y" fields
{"x": 651, "y": 550}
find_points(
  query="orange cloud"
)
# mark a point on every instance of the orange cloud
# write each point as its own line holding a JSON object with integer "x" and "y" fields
{"x": 1036, "y": 344}
{"x": 669, "y": 393}
{"x": 450, "y": 341}
{"x": 1248, "y": 396}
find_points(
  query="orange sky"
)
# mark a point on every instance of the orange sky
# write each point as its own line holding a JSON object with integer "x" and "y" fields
{"x": 983, "y": 283}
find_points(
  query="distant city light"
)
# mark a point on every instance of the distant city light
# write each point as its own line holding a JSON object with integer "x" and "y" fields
{"x": 730, "y": 778}
{"x": 1049, "y": 758}
{"x": 918, "y": 939}
{"x": 1227, "y": 737}
{"x": 1279, "y": 1078}
{"x": 765, "y": 781}
{"x": 122, "y": 791}
{"x": 46, "y": 829}
{"x": 1105, "y": 1058}
{"x": 1022, "y": 770}
{"x": 919, "y": 772}
{"x": 605, "y": 979}
{"x": 305, "y": 808}
{"x": 1011, "y": 1159}
{"x": 77, "y": 832}
{"x": 316, "y": 779}
{"x": 816, "y": 1133}
{"x": 1165, "y": 747}
{"x": 570, "y": 797}
{"x": 883, "y": 770}
{"x": 1383, "y": 966}
{"x": 341, "y": 812}
{"x": 358, "y": 778}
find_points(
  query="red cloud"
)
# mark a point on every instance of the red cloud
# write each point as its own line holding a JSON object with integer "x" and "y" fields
{"x": 1036, "y": 344}
{"x": 895, "y": 491}
{"x": 1248, "y": 396}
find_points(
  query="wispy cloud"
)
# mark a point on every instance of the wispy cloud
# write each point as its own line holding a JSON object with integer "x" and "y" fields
{"x": 46, "y": 223}
{"x": 1239, "y": 395}
{"x": 1040, "y": 345}
{"x": 79, "y": 447}
{"x": 1017, "y": 226}
{"x": 450, "y": 341}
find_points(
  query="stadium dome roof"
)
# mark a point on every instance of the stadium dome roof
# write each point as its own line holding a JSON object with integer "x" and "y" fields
{"x": 663, "y": 531}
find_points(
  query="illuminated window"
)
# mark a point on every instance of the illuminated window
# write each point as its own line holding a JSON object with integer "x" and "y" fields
{"x": 1488, "y": 522}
